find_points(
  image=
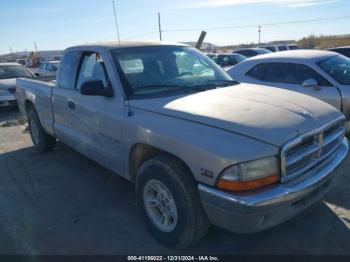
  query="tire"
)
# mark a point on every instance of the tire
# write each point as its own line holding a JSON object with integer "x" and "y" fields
{"x": 190, "y": 224}
{"x": 42, "y": 141}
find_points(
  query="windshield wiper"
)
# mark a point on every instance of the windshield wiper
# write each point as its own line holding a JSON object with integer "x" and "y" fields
{"x": 204, "y": 87}
{"x": 214, "y": 84}
{"x": 222, "y": 82}
{"x": 167, "y": 86}
{"x": 186, "y": 89}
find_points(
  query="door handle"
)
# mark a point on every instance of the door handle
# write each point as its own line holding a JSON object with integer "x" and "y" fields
{"x": 71, "y": 105}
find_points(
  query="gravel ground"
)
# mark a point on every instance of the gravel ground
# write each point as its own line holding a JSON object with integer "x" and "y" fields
{"x": 63, "y": 203}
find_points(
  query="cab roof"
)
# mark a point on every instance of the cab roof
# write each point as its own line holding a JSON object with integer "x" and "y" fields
{"x": 296, "y": 55}
{"x": 126, "y": 44}
{"x": 339, "y": 47}
{"x": 10, "y": 64}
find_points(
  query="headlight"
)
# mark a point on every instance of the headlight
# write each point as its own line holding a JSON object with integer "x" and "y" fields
{"x": 250, "y": 175}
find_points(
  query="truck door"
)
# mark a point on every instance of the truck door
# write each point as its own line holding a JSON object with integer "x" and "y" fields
{"x": 61, "y": 99}
{"x": 97, "y": 120}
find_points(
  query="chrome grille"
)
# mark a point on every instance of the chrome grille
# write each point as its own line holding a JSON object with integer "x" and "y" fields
{"x": 302, "y": 154}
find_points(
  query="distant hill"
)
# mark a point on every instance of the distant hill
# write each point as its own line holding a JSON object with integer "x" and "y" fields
{"x": 324, "y": 42}
{"x": 233, "y": 47}
{"x": 205, "y": 46}
{"x": 310, "y": 42}
{"x": 42, "y": 54}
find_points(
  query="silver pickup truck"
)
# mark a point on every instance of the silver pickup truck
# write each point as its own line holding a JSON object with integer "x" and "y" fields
{"x": 200, "y": 148}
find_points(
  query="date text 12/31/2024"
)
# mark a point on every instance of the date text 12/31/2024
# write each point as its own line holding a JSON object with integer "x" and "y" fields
{"x": 173, "y": 258}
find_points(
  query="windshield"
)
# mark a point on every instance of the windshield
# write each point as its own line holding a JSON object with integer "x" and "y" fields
{"x": 337, "y": 67}
{"x": 239, "y": 58}
{"x": 162, "y": 69}
{"x": 14, "y": 71}
{"x": 55, "y": 66}
{"x": 263, "y": 51}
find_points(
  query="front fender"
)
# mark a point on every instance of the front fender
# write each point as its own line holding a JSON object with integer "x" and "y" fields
{"x": 205, "y": 150}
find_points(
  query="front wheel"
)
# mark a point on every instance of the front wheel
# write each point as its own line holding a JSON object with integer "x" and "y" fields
{"x": 42, "y": 141}
{"x": 170, "y": 205}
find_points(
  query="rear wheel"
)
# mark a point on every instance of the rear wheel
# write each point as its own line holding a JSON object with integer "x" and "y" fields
{"x": 169, "y": 201}
{"x": 42, "y": 141}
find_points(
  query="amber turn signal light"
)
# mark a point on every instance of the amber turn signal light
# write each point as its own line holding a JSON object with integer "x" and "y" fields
{"x": 240, "y": 186}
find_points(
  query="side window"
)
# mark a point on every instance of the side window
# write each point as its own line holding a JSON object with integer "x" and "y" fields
{"x": 288, "y": 73}
{"x": 67, "y": 70}
{"x": 49, "y": 67}
{"x": 92, "y": 68}
{"x": 258, "y": 72}
{"x": 243, "y": 52}
{"x": 345, "y": 52}
{"x": 282, "y": 48}
{"x": 248, "y": 53}
{"x": 225, "y": 60}
{"x": 229, "y": 60}
{"x": 304, "y": 72}
{"x": 271, "y": 48}
{"x": 220, "y": 60}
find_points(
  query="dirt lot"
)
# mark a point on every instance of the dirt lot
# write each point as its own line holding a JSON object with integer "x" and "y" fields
{"x": 63, "y": 203}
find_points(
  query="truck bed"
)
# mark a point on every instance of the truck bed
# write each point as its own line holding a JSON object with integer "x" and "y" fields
{"x": 38, "y": 93}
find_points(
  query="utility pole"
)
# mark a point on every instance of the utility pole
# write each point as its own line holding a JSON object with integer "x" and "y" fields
{"x": 201, "y": 39}
{"x": 116, "y": 22}
{"x": 259, "y": 34}
{"x": 36, "y": 49}
{"x": 160, "y": 27}
{"x": 11, "y": 52}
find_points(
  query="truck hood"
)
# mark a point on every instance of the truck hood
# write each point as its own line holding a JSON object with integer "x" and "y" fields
{"x": 7, "y": 83}
{"x": 267, "y": 114}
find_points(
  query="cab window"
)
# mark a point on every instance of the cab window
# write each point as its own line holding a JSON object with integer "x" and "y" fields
{"x": 92, "y": 68}
{"x": 67, "y": 71}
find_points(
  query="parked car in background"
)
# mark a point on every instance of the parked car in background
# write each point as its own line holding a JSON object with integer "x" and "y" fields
{"x": 21, "y": 61}
{"x": 145, "y": 110}
{"x": 322, "y": 74}
{"x": 49, "y": 68}
{"x": 212, "y": 56}
{"x": 279, "y": 48}
{"x": 52, "y": 58}
{"x": 25, "y": 62}
{"x": 251, "y": 52}
{"x": 293, "y": 47}
{"x": 344, "y": 50}
{"x": 228, "y": 60}
{"x": 9, "y": 72}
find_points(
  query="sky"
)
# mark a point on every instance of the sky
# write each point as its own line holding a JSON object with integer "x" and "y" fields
{"x": 58, "y": 24}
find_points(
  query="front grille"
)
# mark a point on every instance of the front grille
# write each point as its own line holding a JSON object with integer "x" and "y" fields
{"x": 302, "y": 154}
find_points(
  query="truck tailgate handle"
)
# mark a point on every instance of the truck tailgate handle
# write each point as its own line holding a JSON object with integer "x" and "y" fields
{"x": 71, "y": 105}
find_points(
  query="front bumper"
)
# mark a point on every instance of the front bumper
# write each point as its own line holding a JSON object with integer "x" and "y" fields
{"x": 7, "y": 100}
{"x": 255, "y": 211}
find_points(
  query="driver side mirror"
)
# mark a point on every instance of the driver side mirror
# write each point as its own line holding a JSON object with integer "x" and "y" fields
{"x": 36, "y": 74}
{"x": 311, "y": 83}
{"x": 95, "y": 88}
